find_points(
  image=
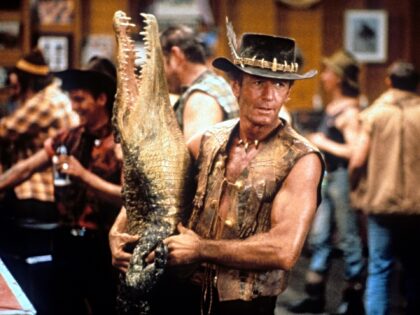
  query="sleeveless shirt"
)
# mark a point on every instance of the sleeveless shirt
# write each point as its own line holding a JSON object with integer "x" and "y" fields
{"x": 251, "y": 201}
{"x": 328, "y": 128}
{"x": 215, "y": 86}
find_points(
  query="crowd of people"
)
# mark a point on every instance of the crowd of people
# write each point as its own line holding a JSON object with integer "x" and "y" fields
{"x": 264, "y": 191}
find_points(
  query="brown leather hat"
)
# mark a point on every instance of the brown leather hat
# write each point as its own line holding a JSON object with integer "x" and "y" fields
{"x": 262, "y": 55}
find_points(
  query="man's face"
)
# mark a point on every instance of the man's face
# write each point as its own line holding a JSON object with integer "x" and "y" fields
{"x": 171, "y": 73}
{"x": 260, "y": 99}
{"x": 85, "y": 105}
{"x": 330, "y": 80}
{"x": 14, "y": 84}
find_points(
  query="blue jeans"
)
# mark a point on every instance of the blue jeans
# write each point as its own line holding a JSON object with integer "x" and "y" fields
{"x": 389, "y": 236}
{"x": 335, "y": 209}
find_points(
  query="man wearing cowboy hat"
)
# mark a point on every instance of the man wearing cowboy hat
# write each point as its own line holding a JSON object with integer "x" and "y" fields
{"x": 88, "y": 206}
{"x": 335, "y": 137}
{"x": 258, "y": 189}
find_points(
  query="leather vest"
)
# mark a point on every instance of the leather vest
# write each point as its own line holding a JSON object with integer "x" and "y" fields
{"x": 251, "y": 200}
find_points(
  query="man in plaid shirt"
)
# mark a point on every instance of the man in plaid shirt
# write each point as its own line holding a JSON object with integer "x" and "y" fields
{"x": 42, "y": 111}
{"x": 84, "y": 279}
{"x": 27, "y": 219}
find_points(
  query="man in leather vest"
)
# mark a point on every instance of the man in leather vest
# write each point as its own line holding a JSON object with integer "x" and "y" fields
{"x": 258, "y": 189}
{"x": 257, "y": 192}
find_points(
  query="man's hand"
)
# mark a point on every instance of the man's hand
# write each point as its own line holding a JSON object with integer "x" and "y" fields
{"x": 184, "y": 248}
{"x": 71, "y": 166}
{"x": 117, "y": 242}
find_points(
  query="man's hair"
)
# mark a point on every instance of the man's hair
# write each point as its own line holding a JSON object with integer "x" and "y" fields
{"x": 235, "y": 75}
{"x": 186, "y": 39}
{"x": 106, "y": 67}
{"x": 348, "y": 89}
{"x": 403, "y": 76}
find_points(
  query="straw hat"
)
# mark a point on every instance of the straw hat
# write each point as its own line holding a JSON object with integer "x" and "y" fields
{"x": 345, "y": 66}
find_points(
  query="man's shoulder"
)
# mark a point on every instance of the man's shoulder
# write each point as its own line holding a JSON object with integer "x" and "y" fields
{"x": 213, "y": 77}
{"x": 293, "y": 137}
{"x": 224, "y": 126}
{"x": 50, "y": 97}
{"x": 388, "y": 103}
{"x": 218, "y": 89}
{"x": 211, "y": 84}
{"x": 221, "y": 131}
{"x": 297, "y": 143}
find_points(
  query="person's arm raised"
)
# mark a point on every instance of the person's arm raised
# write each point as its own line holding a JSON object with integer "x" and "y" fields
{"x": 24, "y": 169}
{"x": 349, "y": 129}
{"x": 104, "y": 189}
{"x": 200, "y": 113}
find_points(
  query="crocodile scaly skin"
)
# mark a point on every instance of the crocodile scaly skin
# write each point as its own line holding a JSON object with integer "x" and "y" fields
{"x": 157, "y": 164}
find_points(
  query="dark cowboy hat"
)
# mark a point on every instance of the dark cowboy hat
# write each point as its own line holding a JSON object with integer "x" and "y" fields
{"x": 99, "y": 75}
{"x": 263, "y": 55}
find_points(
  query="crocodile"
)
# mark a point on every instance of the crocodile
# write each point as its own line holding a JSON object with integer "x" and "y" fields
{"x": 158, "y": 181}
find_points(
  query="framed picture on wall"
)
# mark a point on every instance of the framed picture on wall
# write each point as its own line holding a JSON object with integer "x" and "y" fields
{"x": 10, "y": 34}
{"x": 366, "y": 34}
{"x": 52, "y": 12}
{"x": 55, "y": 49}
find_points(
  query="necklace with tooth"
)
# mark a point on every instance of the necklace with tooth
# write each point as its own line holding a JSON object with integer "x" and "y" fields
{"x": 246, "y": 143}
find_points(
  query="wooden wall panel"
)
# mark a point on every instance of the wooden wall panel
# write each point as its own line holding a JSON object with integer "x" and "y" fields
{"x": 333, "y": 32}
{"x": 246, "y": 16}
{"x": 318, "y": 31}
{"x": 101, "y": 13}
{"x": 305, "y": 26}
{"x": 254, "y": 18}
{"x": 399, "y": 43}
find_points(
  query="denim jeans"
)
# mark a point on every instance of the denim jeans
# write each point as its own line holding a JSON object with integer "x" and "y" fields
{"x": 390, "y": 236}
{"x": 335, "y": 211}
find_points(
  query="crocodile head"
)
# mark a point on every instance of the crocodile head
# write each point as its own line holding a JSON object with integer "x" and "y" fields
{"x": 139, "y": 93}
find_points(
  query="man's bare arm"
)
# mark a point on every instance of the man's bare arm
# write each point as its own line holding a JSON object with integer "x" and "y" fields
{"x": 293, "y": 210}
{"x": 201, "y": 112}
{"x": 104, "y": 189}
{"x": 24, "y": 169}
{"x": 349, "y": 128}
{"x": 325, "y": 144}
